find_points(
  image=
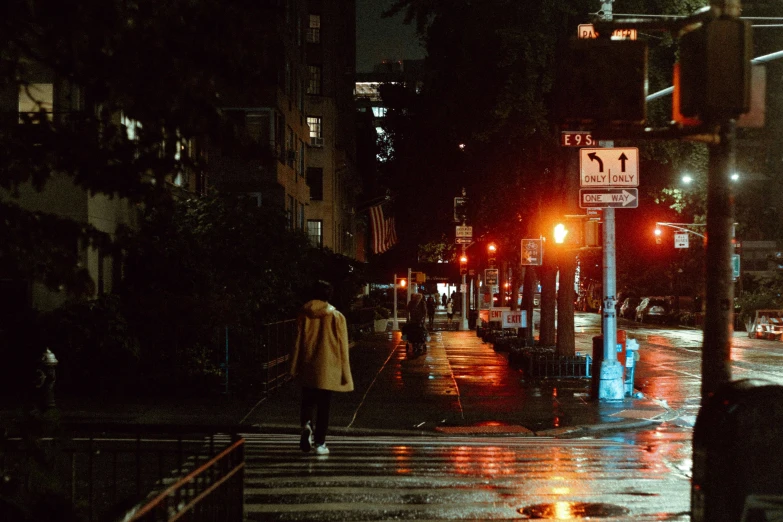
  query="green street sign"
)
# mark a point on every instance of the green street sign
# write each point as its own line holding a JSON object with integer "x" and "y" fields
{"x": 735, "y": 266}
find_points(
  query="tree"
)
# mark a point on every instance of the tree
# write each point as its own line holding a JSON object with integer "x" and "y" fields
{"x": 138, "y": 82}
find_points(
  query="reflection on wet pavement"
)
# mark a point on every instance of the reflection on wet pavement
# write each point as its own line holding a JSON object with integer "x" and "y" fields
{"x": 464, "y": 478}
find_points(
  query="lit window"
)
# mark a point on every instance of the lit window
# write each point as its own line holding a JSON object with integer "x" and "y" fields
{"x": 314, "y": 80}
{"x": 314, "y": 31}
{"x": 316, "y": 131}
{"x": 379, "y": 112}
{"x": 36, "y": 97}
{"x": 315, "y": 231}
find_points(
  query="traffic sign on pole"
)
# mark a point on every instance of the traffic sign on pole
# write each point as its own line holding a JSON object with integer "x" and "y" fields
{"x": 609, "y": 167}
{"x": 464, "y": 231}
{"x": 681, "y": 240}
{"x": 609, "y": 198}
{"x": 491, "y": 276}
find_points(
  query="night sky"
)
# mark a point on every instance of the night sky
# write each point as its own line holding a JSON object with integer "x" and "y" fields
{"x": 379, "y": 38}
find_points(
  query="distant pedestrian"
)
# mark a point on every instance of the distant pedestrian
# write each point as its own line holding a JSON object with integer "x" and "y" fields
{"x": 320, "y": 363}
{"x": 449, "y": 311}
{"x": 443, "y": 300}
{"x": 431, "y": 310}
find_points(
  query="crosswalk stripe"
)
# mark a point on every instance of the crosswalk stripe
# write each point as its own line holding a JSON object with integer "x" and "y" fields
{"x": 380, "y": 478}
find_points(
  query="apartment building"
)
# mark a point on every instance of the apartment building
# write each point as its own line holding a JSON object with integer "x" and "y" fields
{"x": 60, "y": 100}
{"x": 331, "y": 167}
{"x": 268, "y": 160}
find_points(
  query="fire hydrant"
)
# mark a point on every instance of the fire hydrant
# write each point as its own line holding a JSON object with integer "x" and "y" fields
{"x": 46, "y": 378}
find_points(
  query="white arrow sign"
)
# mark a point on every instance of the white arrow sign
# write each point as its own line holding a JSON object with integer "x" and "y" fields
{"x": 615, "y": 167}
{"x": 609, "y": 198}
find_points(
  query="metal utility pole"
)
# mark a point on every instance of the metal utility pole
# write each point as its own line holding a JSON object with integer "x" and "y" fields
{"x": 610, "y": 385}
{"x": 719, "y": 312}
{"x": 463, "y": 323}
{"x": 410, "y": 284}
{"x": 395, "y": 323}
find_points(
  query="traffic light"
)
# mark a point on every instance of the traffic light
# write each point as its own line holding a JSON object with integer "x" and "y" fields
{"x": 491, "y": 251}
{"x": 602, "y": 80}
{"x": 463, "y": 265}
{"x": 714, "y": 75}
{"x": 592, "y": 234}
{"x": 658, "y": 236}
{"x": 560, "y": 233}
{"x": 403, "y": 283}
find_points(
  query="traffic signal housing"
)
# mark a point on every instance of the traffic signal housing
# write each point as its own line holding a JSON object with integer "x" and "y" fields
{"x": 714, "y": 70}
{"x": 561, "y": 232}
{"x": 491, "y": 252}
{"x": 463, "y": 265}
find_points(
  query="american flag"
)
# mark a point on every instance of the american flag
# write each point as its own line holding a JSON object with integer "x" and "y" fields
{"x": 384, "y": 236}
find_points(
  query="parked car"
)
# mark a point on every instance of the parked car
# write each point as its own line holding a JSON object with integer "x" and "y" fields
{"x": 628, "y": 307}
{"x": 653, "y": 309}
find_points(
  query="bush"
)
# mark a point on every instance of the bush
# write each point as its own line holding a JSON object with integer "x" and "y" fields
{"x": 759, "y": 299}
{"x": 382, "y": 313}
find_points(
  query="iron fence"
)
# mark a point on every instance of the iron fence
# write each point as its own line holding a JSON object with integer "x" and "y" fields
{"x": 554, "y": 367}
{"x": 256, "y": 360}
{"x": 100, "y": 471}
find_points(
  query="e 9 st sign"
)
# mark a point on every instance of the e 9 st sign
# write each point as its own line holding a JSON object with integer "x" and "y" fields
{"x": 577, "y": 139}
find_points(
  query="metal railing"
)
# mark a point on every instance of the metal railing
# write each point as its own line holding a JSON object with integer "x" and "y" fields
{"x": 256, "y": 360}
{"x": 277, "y": 343}
{"x": 104, "y": 469}
{"x": 554, "y": 367}
{"x": 212, "y": 492}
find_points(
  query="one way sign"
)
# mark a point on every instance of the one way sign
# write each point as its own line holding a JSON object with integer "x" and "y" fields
{"x": 608, "y": 198}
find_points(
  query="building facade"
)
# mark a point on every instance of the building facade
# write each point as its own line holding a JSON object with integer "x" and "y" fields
{"x": 331, "y": 168}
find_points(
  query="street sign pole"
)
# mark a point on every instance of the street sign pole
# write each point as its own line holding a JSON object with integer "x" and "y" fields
{"x": 395, "y": 324}
{"x": 610, "y": 384}
{"x": 410, "y": 284}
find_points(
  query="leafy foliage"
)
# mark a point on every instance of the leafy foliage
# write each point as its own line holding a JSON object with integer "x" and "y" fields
{"x": 163, "y": 66}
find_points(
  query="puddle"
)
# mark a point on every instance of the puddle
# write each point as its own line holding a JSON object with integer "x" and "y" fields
{"x": 573, "y": 510}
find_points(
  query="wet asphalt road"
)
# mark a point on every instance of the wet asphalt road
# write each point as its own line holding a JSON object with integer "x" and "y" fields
{"x": 462, "y": 478}
{"x": 423, "y": 474}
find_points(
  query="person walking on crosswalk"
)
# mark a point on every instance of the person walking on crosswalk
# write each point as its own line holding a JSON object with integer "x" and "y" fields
{"x": 320, "y": 363}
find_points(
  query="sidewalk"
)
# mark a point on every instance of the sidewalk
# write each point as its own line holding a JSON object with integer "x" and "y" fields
{"x": 460, "y": 386}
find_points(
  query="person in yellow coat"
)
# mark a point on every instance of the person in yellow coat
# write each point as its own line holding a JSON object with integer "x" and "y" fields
{"x": 320, "y": 364}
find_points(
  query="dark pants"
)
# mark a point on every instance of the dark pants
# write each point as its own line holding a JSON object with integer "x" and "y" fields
{"x": 316, "y": 401}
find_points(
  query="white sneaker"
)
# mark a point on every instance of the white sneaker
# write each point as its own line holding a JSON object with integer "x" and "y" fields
{"x": 321, "y": 449}
{"x": 306, "y": 440}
